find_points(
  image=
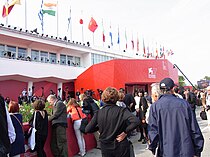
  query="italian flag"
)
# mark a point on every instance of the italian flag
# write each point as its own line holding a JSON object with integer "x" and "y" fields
{"x": 49, "y": 8}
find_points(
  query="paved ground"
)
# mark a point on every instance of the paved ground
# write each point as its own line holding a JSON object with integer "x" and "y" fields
{"x": 140, "y": 149}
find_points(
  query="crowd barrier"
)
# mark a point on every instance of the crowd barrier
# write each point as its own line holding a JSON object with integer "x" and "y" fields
{"x": 73, "y": 147}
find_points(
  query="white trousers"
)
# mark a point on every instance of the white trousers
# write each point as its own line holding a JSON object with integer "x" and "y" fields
{"x": 208, "y": 117}
{"x": 79, "y": 135}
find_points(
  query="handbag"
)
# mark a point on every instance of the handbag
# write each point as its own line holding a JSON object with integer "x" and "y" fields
{"x": 203, "y": 115}
{"x": 32, "y": 130}
{"x": 84, "y": 122}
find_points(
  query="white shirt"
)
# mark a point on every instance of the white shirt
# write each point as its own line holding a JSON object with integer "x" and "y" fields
{"x": 11, "y": 129}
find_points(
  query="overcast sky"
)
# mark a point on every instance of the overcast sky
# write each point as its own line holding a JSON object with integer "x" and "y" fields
{"x": 180, "y": 25}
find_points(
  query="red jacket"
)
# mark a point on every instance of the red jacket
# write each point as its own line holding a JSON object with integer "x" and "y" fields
{"x": 74, "y": 114}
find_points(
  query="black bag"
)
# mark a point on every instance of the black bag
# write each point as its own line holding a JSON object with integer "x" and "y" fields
{"x": 83, "y": 125}
{"x": 203, "y": 115}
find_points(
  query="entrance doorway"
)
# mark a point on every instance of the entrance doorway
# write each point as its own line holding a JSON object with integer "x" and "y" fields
{"x": 131, "y": 88}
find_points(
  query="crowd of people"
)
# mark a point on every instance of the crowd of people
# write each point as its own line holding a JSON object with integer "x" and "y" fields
{"x": 165, "y": 120}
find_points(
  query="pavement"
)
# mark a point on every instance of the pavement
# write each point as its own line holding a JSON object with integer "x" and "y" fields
{"x": 140, "y": 149}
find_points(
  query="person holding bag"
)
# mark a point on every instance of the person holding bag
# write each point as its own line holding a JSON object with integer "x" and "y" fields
{"x": 17, "y": 146}
{"x": 40, "y": 118}
{"x": 74, "y": 109}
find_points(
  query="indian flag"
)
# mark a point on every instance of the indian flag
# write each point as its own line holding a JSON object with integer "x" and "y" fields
{"x": 49, "y": 8}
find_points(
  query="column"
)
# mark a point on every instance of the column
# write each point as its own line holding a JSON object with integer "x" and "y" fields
{"x": 59, "y": 86}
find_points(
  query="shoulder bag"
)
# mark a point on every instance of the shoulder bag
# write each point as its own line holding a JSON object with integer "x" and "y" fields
{"x": 32, "y": 130}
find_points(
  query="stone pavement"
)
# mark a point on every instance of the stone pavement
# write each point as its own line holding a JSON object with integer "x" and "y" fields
{"x": 141, "y": 151}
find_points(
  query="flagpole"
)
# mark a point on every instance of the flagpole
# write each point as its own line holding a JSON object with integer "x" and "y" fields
{"x": 7, "y": 13}
{"x": 82, "y": 29}
{"x": 103, "y": 32}
{"x": 57, "y": 18}
{"x": 93, "y": 38}
{"x": 25, "y": 15}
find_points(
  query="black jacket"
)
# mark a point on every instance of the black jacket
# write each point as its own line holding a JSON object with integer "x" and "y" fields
{"x": 4, "y": 138}
{"x": 112, "y": 120}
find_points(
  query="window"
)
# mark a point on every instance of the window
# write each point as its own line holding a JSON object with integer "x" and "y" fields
{"x": 63, "y": 59}
{"x": 22, "y": 54}
{"x": 52, "y": 58}
{"x": 35, "y": 55}
{"x": 96, "y": 58}
{"x": 2, "y": 51}
{"x": 44, "y": 57}
{"x": 11, "y": 51}
{"x": 70, "y": 60}
{"x": 77, "y": 61}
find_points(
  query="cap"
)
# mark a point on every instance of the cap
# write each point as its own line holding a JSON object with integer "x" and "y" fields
{"x": 167, "y": 83}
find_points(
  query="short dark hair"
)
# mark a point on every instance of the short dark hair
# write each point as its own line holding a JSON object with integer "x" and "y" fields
{"x": 39, "y": 105}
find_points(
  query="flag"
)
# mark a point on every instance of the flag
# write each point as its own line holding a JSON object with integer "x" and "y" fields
{"x": 81, "y": 21}
{"x": 118, "y": 37}
{"x": 69, "y": 20}
{"x": 110, "y": 34}
{"x": 137, "y": 43}
{"x": 8, "y": 8}
{"x": 132, "y": 42}
{"x": 144, "y": 48}
{"x": 49, "y": 8}
{"x": 41, "y": 18}
{"x": 126, "y": 45}
{"x": 92, "y": 25}
{"x": 103, "y": 35}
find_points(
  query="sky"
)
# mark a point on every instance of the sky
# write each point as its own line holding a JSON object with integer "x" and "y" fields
{"x": 180, "y": 25}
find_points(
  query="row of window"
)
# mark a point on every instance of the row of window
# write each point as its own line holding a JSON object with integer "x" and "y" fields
{"x": 38, "y": 56}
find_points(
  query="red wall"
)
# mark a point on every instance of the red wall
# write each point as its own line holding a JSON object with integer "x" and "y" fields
{"x": 12, "y": 88}
{"x": 47, "y": 87}
{"x": 119, "y": 72}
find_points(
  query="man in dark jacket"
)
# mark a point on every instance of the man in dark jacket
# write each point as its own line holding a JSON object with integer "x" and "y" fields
{"x": 59, "y": 125}
{"x": 4, "y": 138}
{"x": 173, "y": 126}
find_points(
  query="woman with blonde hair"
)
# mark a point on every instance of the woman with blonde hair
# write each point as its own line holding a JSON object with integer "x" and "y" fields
{"x": 74, "y": 109}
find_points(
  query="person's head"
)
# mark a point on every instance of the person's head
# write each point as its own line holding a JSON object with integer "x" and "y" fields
{"x": 51, "y": 99}
{"x": 121, "y": 96}
{"x": 145, "y": 94}
{"x": 208, "y": 89}
{"x": 13, "y": 107}
{"x": 39, "y": 105}
{"x": 73, "y": 102}
{"x": 155, "y": 90}
{"x": 110, "y": 95}
{"x": 166, "y": 85}
{"x": 82, "y": 96}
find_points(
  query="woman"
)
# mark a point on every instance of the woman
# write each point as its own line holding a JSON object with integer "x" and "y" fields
{"x": 17, "y": 146}
{"x": 114, "y": 124}
{"x": 41, "y": 125}
{"x": 74, "y": 109}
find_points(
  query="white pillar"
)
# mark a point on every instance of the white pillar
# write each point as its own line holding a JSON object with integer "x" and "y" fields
{"x": 59, "y": 90}
{"x": 30, "y": 84}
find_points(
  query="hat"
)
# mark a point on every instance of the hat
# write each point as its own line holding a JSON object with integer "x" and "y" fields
{"x": 167, "y": 83}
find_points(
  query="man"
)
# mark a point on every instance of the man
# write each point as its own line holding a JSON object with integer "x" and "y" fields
{"x": 4, "y": 137}
{"x": 173, "y": 127}
{"x": 59, "y": 125}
